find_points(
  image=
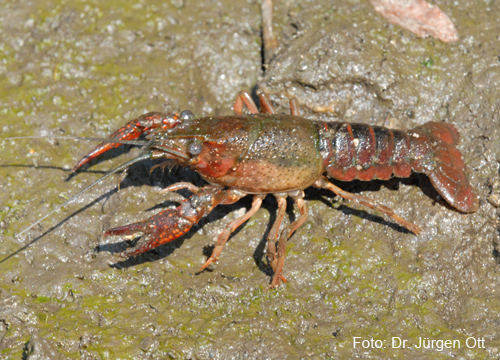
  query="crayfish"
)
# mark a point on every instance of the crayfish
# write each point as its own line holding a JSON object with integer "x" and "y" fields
{"x": 267, "y": 153}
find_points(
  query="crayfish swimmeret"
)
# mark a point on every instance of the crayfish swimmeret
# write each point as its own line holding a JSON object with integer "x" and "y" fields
{"x": 267, "y": 153}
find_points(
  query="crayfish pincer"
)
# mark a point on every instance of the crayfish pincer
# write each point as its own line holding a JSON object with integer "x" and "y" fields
{"x": 267, "y": 153}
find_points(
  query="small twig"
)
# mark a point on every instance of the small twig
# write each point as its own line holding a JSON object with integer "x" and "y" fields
{"x": 270, "y": 44}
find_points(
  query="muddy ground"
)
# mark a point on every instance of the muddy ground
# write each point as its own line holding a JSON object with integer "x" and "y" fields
{"x": 85, "y": 67}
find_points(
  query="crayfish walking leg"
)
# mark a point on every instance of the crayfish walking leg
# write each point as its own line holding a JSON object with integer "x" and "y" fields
{"x": 276, "y": 251}
{"x": 232, "y": 226}
{"x": 272, "y": 238}
{"x": 323, "y": 183}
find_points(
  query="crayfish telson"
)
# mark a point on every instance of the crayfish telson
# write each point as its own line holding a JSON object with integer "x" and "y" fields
{"x": 267, "y": 153}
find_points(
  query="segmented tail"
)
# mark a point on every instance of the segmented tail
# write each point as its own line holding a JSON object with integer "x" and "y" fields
{"x": 365, "y": 152}
{"x": 446, "y": 168}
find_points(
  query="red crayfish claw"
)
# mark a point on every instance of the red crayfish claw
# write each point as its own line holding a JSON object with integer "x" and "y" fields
{"x": 132, "y": 130}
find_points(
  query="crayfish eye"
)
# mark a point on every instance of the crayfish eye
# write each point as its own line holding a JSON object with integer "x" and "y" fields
{"x": 195, "y": 148}
{"x": 186, "y": 115}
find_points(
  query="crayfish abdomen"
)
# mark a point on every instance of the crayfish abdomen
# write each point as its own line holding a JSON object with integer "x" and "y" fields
{"x": 365, "y": 152}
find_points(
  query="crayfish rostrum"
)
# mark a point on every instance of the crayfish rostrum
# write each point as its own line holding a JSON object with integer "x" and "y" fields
{"x": 267, "y": 153}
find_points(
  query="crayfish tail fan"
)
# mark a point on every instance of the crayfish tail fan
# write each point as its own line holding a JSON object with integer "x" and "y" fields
{"x": 448, "y": 173}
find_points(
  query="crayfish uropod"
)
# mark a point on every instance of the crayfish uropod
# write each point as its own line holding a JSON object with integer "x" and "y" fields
{"x": 267, "y": 153}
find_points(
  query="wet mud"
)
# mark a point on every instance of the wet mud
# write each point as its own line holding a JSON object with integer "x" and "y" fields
{"x": 83, "y": 68}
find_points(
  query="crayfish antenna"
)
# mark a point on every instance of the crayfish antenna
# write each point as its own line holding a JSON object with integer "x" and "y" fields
{"x": 66, "y": 137}
{"x": 124, "y": 166}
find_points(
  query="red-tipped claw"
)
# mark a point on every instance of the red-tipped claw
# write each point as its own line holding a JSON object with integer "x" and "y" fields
{"x": 170, "y": 224}
{"x": 161, "y": 228}
{"x": 130, "y": 131}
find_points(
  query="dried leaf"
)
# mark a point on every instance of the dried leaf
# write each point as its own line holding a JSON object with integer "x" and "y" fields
{"x": 418, "y": 16}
